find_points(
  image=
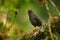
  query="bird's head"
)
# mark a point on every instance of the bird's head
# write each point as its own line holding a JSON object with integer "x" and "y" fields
{"x": 30, "y": 11}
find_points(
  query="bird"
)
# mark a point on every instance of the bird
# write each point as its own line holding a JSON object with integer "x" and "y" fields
{"x": 35, "y": 21}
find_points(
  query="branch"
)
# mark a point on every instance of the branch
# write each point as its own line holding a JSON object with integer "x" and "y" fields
{"x": 49, "y": 21}
{"x": 55, "y": 7}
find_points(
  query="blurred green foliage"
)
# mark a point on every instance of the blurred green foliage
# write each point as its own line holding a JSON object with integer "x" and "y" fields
{"x": 21, "y": 22}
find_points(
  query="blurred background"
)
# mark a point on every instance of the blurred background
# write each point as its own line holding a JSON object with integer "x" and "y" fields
{"x": 21, "y": 24}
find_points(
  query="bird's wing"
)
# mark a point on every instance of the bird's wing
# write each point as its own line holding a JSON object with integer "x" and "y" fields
{"x": 38, "y": 20}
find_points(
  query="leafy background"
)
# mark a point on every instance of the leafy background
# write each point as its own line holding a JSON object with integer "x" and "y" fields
{"x": 21, "y": 22}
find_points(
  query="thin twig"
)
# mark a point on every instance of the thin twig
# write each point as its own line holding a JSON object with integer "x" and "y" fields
{"x": 55, "y": 7}
{"x": 49, "y": 20}
{"x": 46, "y": 4}
{"x": 49, "y": 27}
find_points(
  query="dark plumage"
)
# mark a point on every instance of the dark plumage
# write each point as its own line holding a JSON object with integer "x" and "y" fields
{"x": 35, "y": 21}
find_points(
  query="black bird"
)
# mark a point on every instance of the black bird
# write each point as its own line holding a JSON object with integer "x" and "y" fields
{"x": 35, "y": 21}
